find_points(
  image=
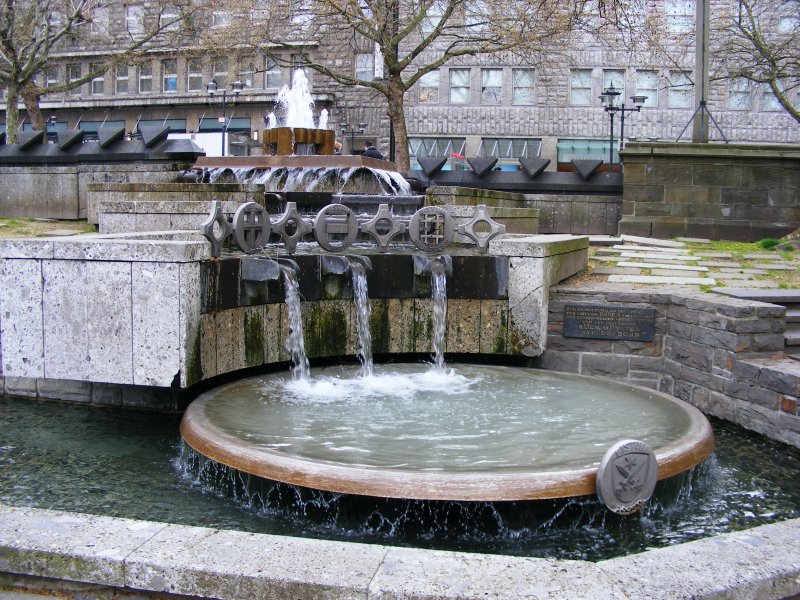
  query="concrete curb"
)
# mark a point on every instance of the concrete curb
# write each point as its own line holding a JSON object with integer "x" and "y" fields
{"x": 135, "y": 556}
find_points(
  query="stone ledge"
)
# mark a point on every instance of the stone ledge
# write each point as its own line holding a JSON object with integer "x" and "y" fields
{"x": 762, "y": 562}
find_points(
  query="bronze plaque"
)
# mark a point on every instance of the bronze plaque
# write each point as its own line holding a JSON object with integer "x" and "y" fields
{"x": 606, "y": 322}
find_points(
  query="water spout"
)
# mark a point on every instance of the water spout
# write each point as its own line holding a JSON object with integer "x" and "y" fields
{"x": 295, "y": 344}
{"x": 358, "y": 269}
{"x": 439, "y": 294}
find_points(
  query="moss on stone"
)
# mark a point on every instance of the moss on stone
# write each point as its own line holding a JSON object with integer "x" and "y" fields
{"x": 332, "y": 326}
{"x": 194, "y": 362}
{"x": 253, "y": 339}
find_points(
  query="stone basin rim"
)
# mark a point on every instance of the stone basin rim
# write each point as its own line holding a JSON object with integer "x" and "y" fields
{"x": 204, "y": 437}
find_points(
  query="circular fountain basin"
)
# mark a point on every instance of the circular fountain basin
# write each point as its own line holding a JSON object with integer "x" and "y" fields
{"x": 472, "y": 433}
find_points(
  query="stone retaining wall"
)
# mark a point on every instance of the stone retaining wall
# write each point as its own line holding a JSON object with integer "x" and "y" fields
{"x": 723, "y": 355}
{"x": 732, "y": 192}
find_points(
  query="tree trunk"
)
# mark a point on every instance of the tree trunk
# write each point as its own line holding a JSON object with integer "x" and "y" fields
{"x": 12, "y": 113}
{"x": 397, "y": 117}
{"x": 31, "y": 100}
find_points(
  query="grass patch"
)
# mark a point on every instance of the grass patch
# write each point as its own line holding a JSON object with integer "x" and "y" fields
{"x": 19, "y": 227}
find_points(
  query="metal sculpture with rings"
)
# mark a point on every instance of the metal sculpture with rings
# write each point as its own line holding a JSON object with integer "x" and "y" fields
{"x": 383, "y": 219}
{"x": 251, "y": 226}
{"x": 431, "y": 229}
{"x": 481, "y": 238}
{"x": 335, "y": 219}
{"x": 291, "y": 227}
{"x": 336, "y": 227}
{"x": 216, "y": 235}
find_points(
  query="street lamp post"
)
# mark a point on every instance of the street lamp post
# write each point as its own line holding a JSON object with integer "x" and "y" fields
{"x": 609, "y": 99}
{"x": 51, "y": 121}
{"x": 212, "y": 87}
{"x": 346, "y": 129}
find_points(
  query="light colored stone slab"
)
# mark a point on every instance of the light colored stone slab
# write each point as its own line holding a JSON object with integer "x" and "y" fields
{"x": 679, "y": 251}
{"x": 602, "y": 258}
{"x": 537, "y": 246}
{"x": 673, "y": 272}
{"x": 657, "y": 280}
{"x": 156, "y": 323}
{"x": 768, "y": 558}
{"x": 759, "y": 256}
{"x": 658, "y": 256}
{"x": 134, "y": 250}
{"x": 26, "y": 248}
{"x": 694, "y": 240}
{"x": 725, "y": 275}
{"x": 746, "y": 271}
{"x": 62, "y": 232}
{"x": 456, "y": 575}
{"x": 718, "y": 264}
{"x": 65, "y": 309}
{"x": 649, "y": 265}
{"x": 463, "y": 325}
{"x": 775, "y": 267}
{"x": 108, "y": 322}
{"x": 715, "y": 254}
{"x": 189, "y": 301}
{"x": 652, "y": 241}
{"x": 618, "y": 270}
{"x": 21, "y": 328}
{"x": 756, "y": 284}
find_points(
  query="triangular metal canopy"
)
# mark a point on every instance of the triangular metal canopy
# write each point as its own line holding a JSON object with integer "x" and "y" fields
{"x": 153, "y": 134}
{"x": 28, "y": 139}
{"x": 109, "y": 135}
{"x": 67, "y": 139}
{"x": 481, "y": 166}
{"x": 534, "y": 166}
{"x": 586, "y": 167}
{"x": 432, "y": 164}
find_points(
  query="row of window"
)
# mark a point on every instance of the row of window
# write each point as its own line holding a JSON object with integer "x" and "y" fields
{"x": 164, "y": 76}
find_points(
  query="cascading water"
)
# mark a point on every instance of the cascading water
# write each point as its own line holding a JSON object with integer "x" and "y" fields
{"x": 439, "y": 295}
{"x": 295, "y": 344}
{"x": 361, "y": 300}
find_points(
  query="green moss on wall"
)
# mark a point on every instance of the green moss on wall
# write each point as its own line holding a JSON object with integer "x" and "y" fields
{"x": 253, "y": 339}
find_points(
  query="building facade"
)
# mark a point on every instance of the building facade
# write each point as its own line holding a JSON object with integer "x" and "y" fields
{"x": 486, "y": 105}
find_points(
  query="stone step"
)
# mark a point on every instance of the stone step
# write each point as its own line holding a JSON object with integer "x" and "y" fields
{"x": 652, "y": 241}
{"x": 650, "y": 279}
{"x": 694, "y": 240}
{"x": 792, "y": 338}
{"x": 604, "y": 240}
{"x": 650, "y": 249}
{"x": 715, "y": 254}
{"x": 658, "y": 256}
{"x": 651, "y": 265}
{"x": 783, "y": 296}
{"x": 674, "y": 271}
{"x": 793, "y": 315}
{"x": 717, "y": 264}
{"x": 776, "y": 267}
{"x": 759, "y": 256}
{"x": 616, "y": 271}
{"x": 754, "y": 284}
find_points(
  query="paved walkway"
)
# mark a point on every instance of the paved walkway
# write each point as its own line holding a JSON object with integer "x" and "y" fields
{"x": 641, "y": 261}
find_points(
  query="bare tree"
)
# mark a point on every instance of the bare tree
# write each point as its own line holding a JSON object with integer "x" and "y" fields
{"x": 32, "y": 31}
{"x": 759, "y": 41}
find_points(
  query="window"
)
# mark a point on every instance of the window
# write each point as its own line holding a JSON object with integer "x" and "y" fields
{"x": 365, "y": 66}
{"x": 145, "y": 78}
{"x": 134, "y": 19}
{"x": 647, "y": 85}
{"x": 617, "y": 78}
{"x": 739, "y": 94}
{"x": 510, "y": 148}
{"x": 302, "y": 15}
{"x": 220, "y": 18}
{"x": 168, "y": 20}
{"x": 98, "y": 83}
{"x": 169, "y": 75}
{"x": 580, "y": 89}
{"x": 429, "y": 88}
{"x": 220, "y": 72}
{"x": 491, "y": 86}
{"x": 121, "y": 79}
{"x": 570, "y": 149}
{"x": 74, "y": 74}
{"x": 433, "y": 16}
{"x": 194, "y": 75}
{"x": 522, "y": 86}
{"x": 459, "y": 86}
{"x": 453, "y": 148}
{"x": 98, "y": 21}
{"x": 298, "y": 61}
{"x": 248, "y": 74}
{"x": 476, "y": 16}
{"x": 680, "y": 15}
{"x": 768, "y": 100}
{"x": 272, "y": 73}
{"x": 680, "y": 90}
{"x": 51, "y": 76}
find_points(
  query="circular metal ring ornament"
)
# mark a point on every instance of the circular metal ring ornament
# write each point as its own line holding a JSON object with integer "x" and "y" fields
{"x": 251, "y": 226}
{"x": 291, "y": 227}
{"x": 326, "y": 223}
{"x": 431, "y": 229}
{"x": 216, "y": 228}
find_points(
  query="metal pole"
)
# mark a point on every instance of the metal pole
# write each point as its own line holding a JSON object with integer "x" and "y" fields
{"x": 611, "y": 145}
{"x": 224, "y": 121}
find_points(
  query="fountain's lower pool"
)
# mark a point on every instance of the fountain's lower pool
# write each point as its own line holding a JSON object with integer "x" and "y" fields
{"x": 125, "y": 463}
{"x": 460, "y": 433}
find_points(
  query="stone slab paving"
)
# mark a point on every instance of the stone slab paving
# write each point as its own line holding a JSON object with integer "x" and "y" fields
{"x": 657, "y": 256}
{"x": 723, "y": 275}
{"x": 649, "y": 265}
{"x": 776, "y": 296}
{"x": 673, "y": 271}
{"x": 717, "y": 264}
{"x": 62, "y": 232}
{"x": 715, "y": 254}
{"x": 746, "y": 271}
{"x": 759, "y": 256}
{"x": 694, "y": 240}
{"x": 651, "y": 249}
{"x": 755, "y": 283}
{"x": 656, "y": 280}
{"x": 776, "y": 267}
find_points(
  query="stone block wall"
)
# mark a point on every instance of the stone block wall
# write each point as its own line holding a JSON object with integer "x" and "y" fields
{"x": 133, "y": 207}
{"x": 733, "y": 192}
{"x": 723, "y": 355}
{"x": 61, "y": 192}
